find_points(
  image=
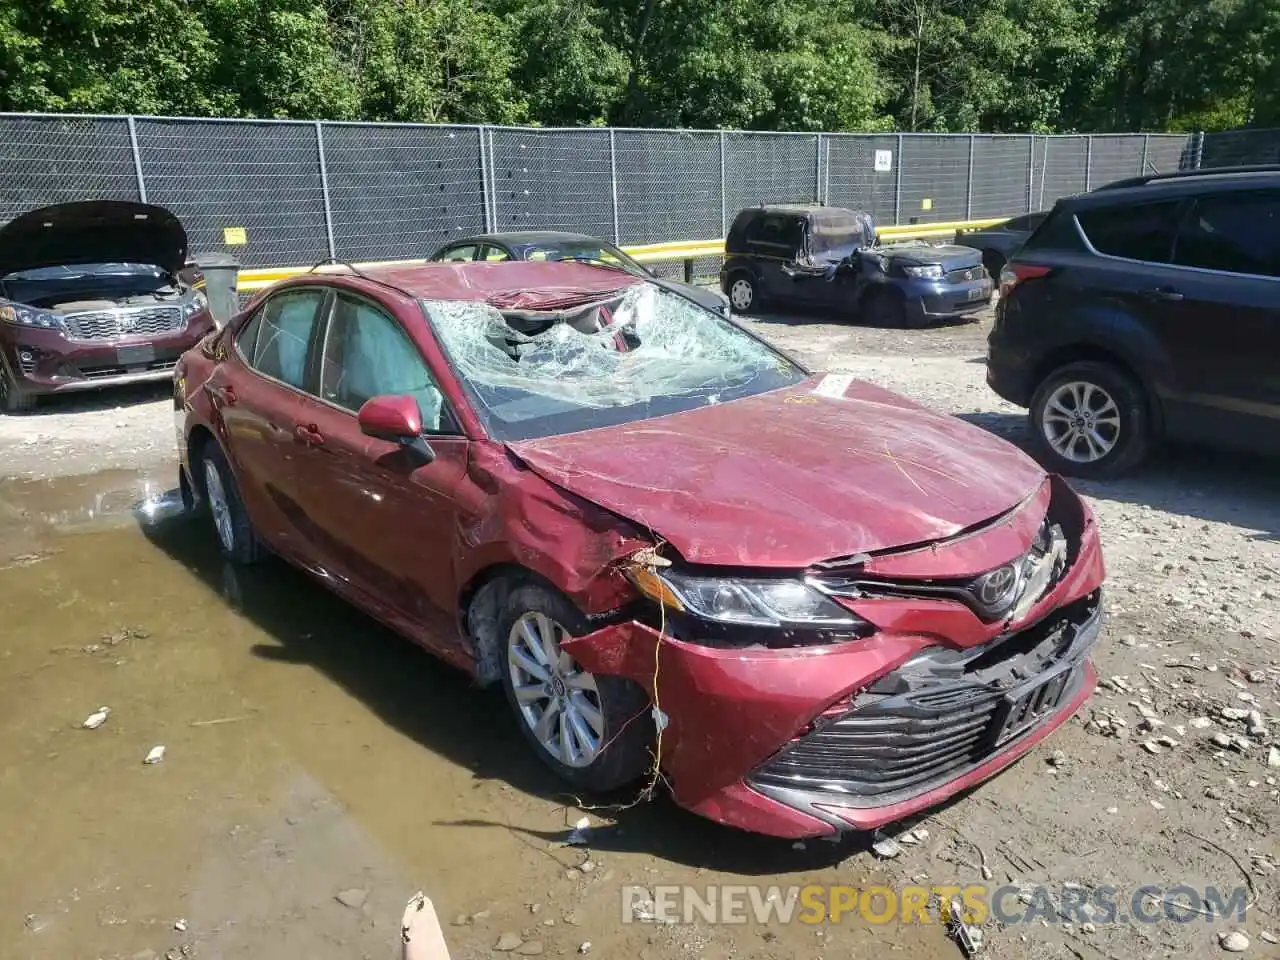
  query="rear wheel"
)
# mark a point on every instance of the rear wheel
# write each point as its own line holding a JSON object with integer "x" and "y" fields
{"x": 236, "y": 538}
{"x": 744, "y": 293}
{"x": 1090, "y": 419}
{"x": 592, "y": 731}
{"x": 11, "y": 400}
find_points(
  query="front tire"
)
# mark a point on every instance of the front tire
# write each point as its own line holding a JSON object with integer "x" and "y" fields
{"x": 886, "y": 310}
{"x": 1090, "y": 419}
{"x": 592, "y": 731}
{"x": 236, "y": 539}
{"x": 11, "y": 400}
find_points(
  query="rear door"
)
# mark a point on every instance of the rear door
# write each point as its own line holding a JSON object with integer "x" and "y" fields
{"x": 381, "y": 521}
{"x": 1228, "y": 249}
{"x": 1167, "y": 315}
{"x": 257, "y": 392}
{"x": 774, "y": 241}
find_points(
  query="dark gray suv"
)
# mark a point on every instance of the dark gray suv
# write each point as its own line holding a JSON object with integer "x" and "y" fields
{"x": 1147, "y": 309}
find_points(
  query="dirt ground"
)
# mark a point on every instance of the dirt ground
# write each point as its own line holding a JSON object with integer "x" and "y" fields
{"x": 319, "y": 770}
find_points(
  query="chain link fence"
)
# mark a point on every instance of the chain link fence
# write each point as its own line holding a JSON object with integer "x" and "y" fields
{"x": 1233, "y": 148}
{"x": 285, "y": 193}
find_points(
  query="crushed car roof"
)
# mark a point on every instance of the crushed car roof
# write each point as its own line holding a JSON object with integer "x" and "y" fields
{"x": 509, "y": 285}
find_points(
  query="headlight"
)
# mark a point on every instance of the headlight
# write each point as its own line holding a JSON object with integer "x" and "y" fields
{"x": 193, "y": 306}
{"x": 931, "y": 272}
{"x": 29, "y": 317}
{"x": 751, "y": 602}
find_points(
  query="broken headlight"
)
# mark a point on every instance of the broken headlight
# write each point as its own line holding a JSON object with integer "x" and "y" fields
{"x": 738, "y": 611}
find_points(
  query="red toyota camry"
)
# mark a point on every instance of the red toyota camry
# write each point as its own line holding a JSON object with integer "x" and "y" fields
{"x": 818, "y": 605}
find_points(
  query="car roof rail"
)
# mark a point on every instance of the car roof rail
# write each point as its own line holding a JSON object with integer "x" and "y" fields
{"x": 380, "y": 281}
{"x": 1186, "y": 174}
{"x": 335, "y": 262}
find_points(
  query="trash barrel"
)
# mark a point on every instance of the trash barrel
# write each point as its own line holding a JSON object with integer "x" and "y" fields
{"x": 221, "y": 272}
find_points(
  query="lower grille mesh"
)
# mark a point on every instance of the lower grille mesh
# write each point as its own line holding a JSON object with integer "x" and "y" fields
{"x": 889, "y": 746}
{"x": 928, "y": 721}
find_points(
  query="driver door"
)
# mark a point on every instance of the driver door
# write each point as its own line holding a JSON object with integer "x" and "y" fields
{"x": 383, "y": 518}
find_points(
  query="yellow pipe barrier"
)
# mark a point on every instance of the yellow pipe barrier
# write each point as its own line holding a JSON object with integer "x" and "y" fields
{"x": 260, "y": 278}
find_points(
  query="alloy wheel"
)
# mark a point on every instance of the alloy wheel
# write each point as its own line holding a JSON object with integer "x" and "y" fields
{"x": 1081, "y": 422}
{"x": 556, "y": 698}
{"x": 218, "y": 505}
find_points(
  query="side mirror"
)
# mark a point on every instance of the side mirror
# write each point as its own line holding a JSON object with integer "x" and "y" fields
{"x": 396, "y": 419}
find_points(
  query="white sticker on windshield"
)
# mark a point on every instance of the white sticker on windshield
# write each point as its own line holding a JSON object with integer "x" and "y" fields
{"x": 834, "y": 385}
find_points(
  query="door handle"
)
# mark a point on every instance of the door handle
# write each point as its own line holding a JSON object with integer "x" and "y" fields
{"x": 309, "y": 433}
{"x": 1165, "y": 293}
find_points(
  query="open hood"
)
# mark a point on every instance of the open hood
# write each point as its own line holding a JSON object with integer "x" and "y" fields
{"x": 93, "y": 231}
{"x": 790, "y": 478}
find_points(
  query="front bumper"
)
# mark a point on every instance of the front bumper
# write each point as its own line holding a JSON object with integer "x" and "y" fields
{"x": 732, "y": 716}
{"x": 940, "y": 298}
{"x": 42, "y": 361}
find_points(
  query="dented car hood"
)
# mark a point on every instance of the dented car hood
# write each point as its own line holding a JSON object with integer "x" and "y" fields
{"x": 826, "y": 469}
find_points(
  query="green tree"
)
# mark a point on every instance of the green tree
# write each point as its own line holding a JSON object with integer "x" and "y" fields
{"x": 109, "y": 56}
{"x": 565, "y": 66}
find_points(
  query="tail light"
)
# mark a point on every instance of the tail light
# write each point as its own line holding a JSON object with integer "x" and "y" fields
{"x": 1015, "y": 273}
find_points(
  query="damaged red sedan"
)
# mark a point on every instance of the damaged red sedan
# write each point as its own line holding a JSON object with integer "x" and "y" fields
{"x": 818, "y": 605}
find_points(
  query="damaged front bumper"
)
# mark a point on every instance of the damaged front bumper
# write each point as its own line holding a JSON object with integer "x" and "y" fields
{"x": 808, "y": 742}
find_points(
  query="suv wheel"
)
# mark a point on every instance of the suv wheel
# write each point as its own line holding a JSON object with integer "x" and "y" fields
{"x": 744, "y": 295}
{"x": 593, "y": 731}
{"x": 1089, "y": 419}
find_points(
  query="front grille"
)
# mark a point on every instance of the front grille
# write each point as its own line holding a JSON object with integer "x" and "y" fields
{"x": 967, "y": 275}
{"x": 937, "y": 715}
{"x": 124, "y": 322}
{"x": 890, "y": 746}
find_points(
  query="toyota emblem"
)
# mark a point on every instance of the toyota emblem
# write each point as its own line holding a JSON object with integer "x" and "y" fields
{"x": 995, "y": 589}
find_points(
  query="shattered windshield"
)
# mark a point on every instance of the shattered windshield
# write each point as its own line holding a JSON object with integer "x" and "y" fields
{"x": 643, "y": 353}
{"x": 834, "y": 235}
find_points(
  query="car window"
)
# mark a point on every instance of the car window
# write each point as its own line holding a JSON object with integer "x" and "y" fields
{"x": 247, "y": 336}
{"x": 287, "y": 322}
{"x": 1139, "y": 231}
{"x": 492, "y": 254}
{"x": 459, "y": 254}
{"x": 1236, "y": 233}
{"x": 587, "y": 252}
{"x": 775, "y": 230}
{"x": 367, "y": 354}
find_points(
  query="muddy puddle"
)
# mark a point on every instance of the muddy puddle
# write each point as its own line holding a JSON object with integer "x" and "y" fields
{"x": 308, "y": 753}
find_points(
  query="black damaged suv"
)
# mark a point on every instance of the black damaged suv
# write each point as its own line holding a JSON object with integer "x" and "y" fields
{"x": 1147, "y": 309}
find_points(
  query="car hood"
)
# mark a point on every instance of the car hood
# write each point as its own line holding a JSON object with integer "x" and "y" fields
{"x": 93, "y": 231}
{"x": 951, "y": 256}
{"x": 827, "y": 469}
{"x": 706, "y": 297}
